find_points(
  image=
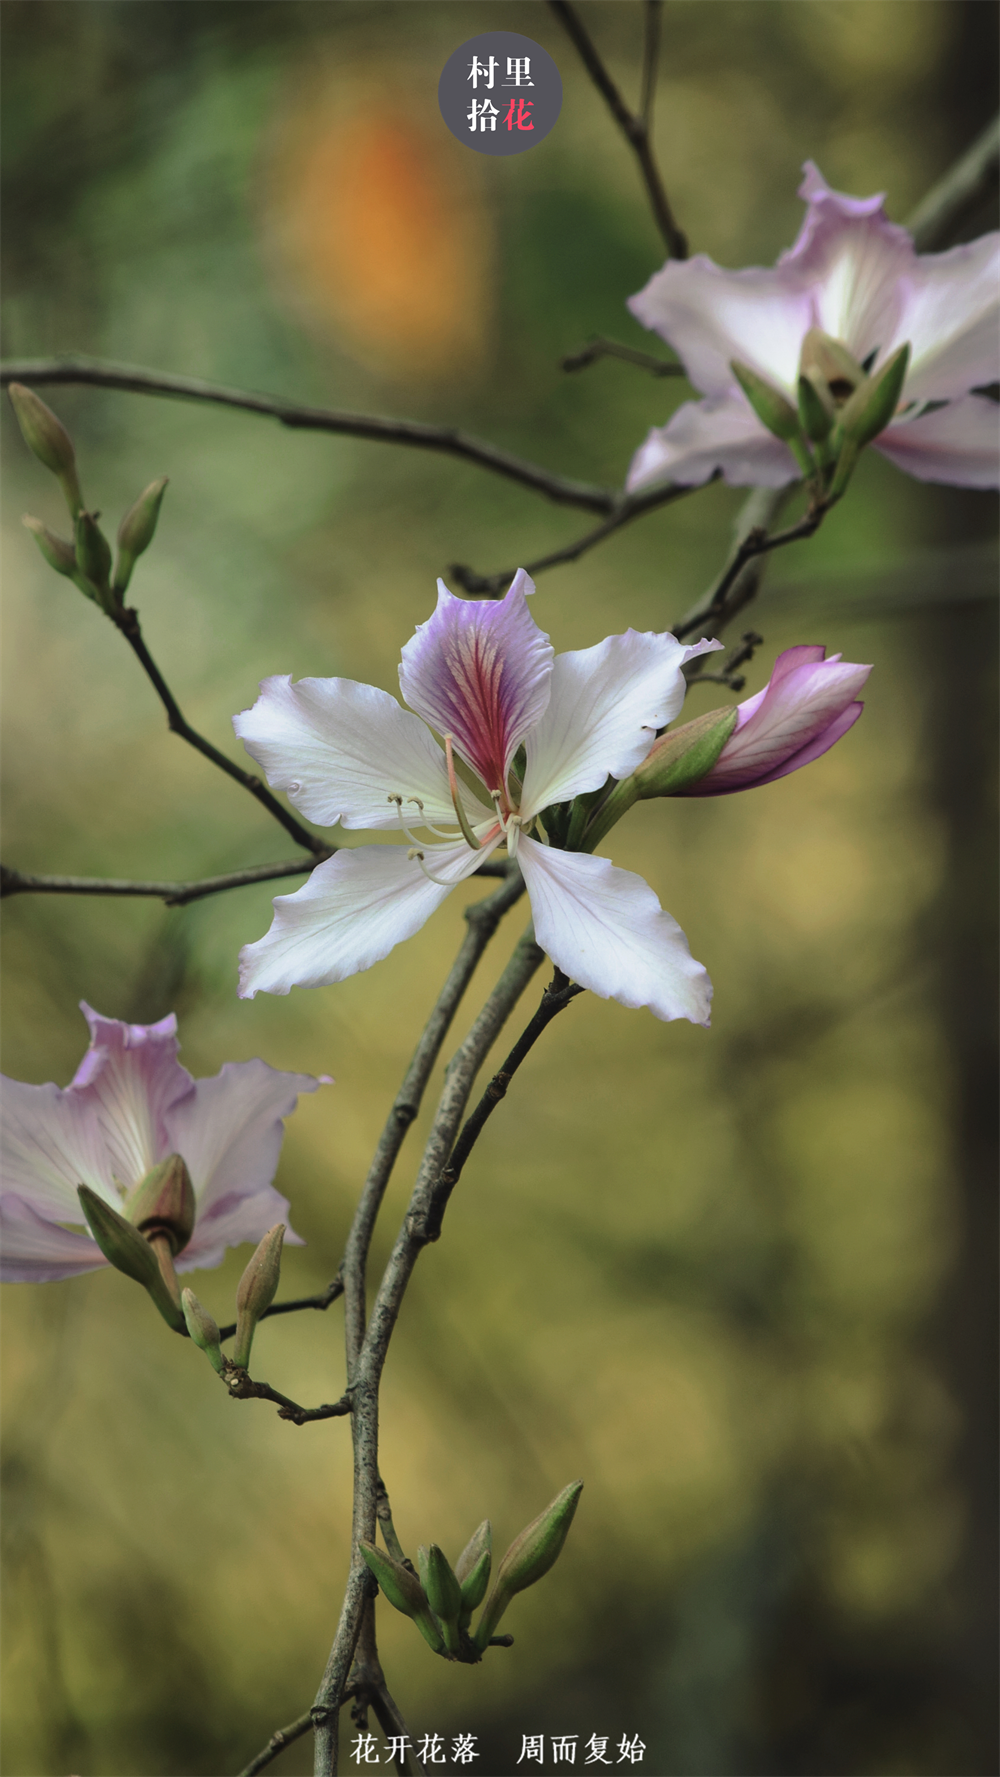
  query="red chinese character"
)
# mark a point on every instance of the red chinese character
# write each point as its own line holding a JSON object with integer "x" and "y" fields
{"x": 523, "y": 107}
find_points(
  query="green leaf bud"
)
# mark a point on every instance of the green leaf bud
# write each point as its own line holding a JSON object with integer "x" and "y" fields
{"x": 257, "y": 1289}
{"x": 93, "y": 558}
{"x": 444, "y": 1595}
{"x": 472, "y": 1570}
{"x": 125, "y": 1248}
{"x": 164, "y": 1202}
{"x": 875, "y": 401}
{"x": 44, "y": 434}
{"x": 529, "y": 1557}
{"x": 203, "y": 1329}
{"x": 57, "y": 553}
{"x": 135, "y": 533}
{"x": 679, "y": 758}
{"x": 404, "y": 1592}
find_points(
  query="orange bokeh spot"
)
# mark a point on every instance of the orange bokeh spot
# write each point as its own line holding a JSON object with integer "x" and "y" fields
{"x": 384, "y": 241}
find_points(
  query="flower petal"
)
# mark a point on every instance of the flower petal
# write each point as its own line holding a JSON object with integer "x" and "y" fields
{"x": 355, "y": 908}
{"x": 710, "y": 315}
{"x": 856, "y": 263}
{"x": 52, "y": 1141}
{"x": 605, "y": 928}
{"x": 808, "y": 704}
{"x": 132, "y": 1076}
{"x": 958, "y": 444}
{"x": 230, "y": 1131}
{"x": 705, "y": 437}
{"x": 38, "y": 1251}
{"x": 339, "y": 750}
{"x": 605, "y": 708}
{"x": 950, "y": 319}
{"x": 479, "y": 670}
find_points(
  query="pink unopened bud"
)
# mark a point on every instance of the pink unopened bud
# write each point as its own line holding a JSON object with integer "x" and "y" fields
{"x": 809, "y": 704}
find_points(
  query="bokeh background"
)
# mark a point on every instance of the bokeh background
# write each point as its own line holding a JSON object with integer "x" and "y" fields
{"x": 741, "y": 1282}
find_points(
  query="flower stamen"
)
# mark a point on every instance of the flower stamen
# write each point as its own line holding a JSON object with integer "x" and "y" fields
{"x": 416, "y": 855}
{"x": 460, "y": 814}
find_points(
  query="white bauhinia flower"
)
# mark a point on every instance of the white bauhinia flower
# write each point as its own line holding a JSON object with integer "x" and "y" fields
{"x": 485, "y": 678}
{"x": 852, "y": 278}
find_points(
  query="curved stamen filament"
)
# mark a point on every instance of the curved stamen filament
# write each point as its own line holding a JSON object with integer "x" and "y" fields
{"x": 424, "y": 822}
{"x": 460, "y": 814}
{"x": 416, "y": 854}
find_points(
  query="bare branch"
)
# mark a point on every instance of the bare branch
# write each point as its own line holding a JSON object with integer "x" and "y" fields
{"x": 601, "y": 347}
{"x": 447, "y": 439}
{"x": 174, "y": 894}
{"x": 243, "y": 1388}
{"x": 959, "y": 194}
{"x": 632, "y": 506}
{"x": 634, "y": 128}
{"x": 279, "y": 1740}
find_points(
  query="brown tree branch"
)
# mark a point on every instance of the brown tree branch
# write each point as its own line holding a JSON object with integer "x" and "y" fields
{"x": 279, "y": 1740}
{"x": 174, "y": 894}
{"x": 601, "y": 347}
{"x": 634, "y": 126}
{"x": 96, "y": 373}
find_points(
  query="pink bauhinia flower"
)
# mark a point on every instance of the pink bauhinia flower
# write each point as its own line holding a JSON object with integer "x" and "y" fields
{"x": 485, "y": 678}
{"x": 838, "y": 304}
{"x": 808, "y": 704}
{"x": 130, "y": 1106}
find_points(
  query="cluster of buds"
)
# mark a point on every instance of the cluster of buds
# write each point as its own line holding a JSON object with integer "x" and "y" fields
{"x": 87, "y": 560}
{"x": 440, "y": 1599}
{"x": 840, "y": 409}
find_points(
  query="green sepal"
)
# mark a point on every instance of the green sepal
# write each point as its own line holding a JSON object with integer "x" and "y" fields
{"x": 472, "y": 1570}
{"x": 874, "y": 403}
{"x": 680, "y": 758}
{"x": 164, "y": 1201}
{"x": 772, "y": 408}
{"x": 404, "y": 1592}
{"x": 817, "y": 420}
{"x": 444, "y": 1595}
{"x": 125, "y": 1248}
{"x": 135, "y": 533}
{"x": 58, "y": 553}
{"x": 529, "y": 1557}
{"x": 93, "y": 559}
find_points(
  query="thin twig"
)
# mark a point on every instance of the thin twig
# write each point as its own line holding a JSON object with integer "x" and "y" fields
{"x": 757, "y": 542}
{"x": 632, "y": 506}
{"x": 555, "y": 999}
{"x": 321, "y": 1301}
{"x": 279, "y": 1740}
{"x": 959, "y": 194}
{"x": 633, "y": 126}
{"x": 127, "y": 621}
{"x": 599, "y": 346}
{"x": 243, "y": 1388}
{"x": 100, "y": 374}
{"x": 758, "y": 511}
{"x": 174, "y": 894}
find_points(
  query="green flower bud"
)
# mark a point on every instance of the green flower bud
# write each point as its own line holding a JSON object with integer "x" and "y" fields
{"x": 164, "y": 1202}
{"x": 93, "y": 558}
{"x": 768, "y": 403}
{"x": 875, "y": 401}
{"x": 57, "y": 553}
{"x": 125, "y": 1248}
{"x": 256, "y": 1291}
{"x": 472, "y": 1570}
{"x": 444, "y": 1595}
{"x": 684, "y": 755}
{"x": 404, "y": 1592}
{"x": 816, "y": 417}
{"x": 50, "y": 441}
{"x": 203, "y": 1329}
{"x": 135, "y": 533}
{"x": 829, "y": 367}
{"x": 529, "y": 1557}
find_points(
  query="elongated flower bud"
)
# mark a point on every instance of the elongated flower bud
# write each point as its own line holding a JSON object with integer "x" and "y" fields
{"x": 444, "y": 1595}
{"x": 135, "y": 533}
{"x": 816, "y": 416}
{"x": 125, "y": 1248}
{"x": 59, "y": 554}
{"x": 203, "y": 1329}
{"x": 164, "y": 1201}
{"x": 44, "y": 434}
{"x": 93, "y": 557}
{"x": 256, "y": 1291}
{"x": 472, "y": 1570}
{"x": 681, "y": 757}
{"x": 874, "y": 403}
{"x": 529, "y": 1557}
{"x": 404, "y": 1592}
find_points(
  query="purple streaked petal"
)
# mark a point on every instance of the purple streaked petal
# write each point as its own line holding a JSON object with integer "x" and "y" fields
{"x": 479, "y": 670}
{"x": 132, "y": 1076}
{"x": 230, "y": 1131}
{"x": 605, "y": 708}
{"x": 34, "y": 1250}
{"x": 52, "y": 1141}
{"x": 355, "y": 908}
{"x": 958, "y": 444}
{"x": 950, "y": 318}
{"x": 705, "y": 437}
{"x": 605, "y": 928}
{"x": 798, "y": 717}
{"x": 340, "y": 749}
{"x": 710, "y": 315}
{"x": 856, "y": 264}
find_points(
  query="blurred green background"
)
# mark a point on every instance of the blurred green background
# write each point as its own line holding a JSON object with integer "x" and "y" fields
{"x": 741, "y": 1282}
